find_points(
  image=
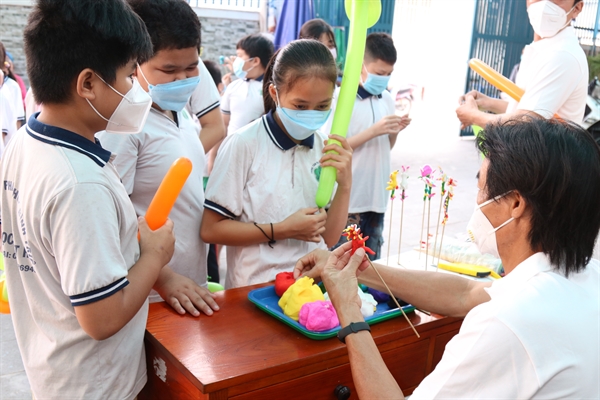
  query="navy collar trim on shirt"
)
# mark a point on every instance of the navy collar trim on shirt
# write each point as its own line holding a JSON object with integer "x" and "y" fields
{"x": 279, "y": 137}
{"x": 259, "y": 79}
{"x": 363, "y": 94}
{"x": 62, "y": 137}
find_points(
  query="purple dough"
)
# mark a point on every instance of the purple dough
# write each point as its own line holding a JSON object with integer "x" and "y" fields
{"x": 318, "y": 316}
{"x": 380, "y": 297}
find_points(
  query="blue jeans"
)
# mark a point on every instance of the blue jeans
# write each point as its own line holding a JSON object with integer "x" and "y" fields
{"x": 371, "y": 225}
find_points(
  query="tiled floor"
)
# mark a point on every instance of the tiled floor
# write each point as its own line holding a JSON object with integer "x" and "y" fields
{"x": 430, "y": 139}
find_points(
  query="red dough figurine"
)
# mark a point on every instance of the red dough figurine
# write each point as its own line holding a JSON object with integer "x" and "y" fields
{"x": 283, "y": 281}
{"x": 353, "y": 234}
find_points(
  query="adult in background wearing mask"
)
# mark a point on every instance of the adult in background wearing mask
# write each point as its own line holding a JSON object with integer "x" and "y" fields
{"x": 533, "y": 333}
{"x": 553, "y": 71}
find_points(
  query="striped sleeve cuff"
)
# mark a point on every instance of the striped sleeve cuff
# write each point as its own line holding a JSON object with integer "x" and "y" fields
{"x": 21, "y": 118}
{"x": 208, "y": 109}
{"x": 219, "y": 209}
{"x": 225, "y": 112}
{"x": 98, "y": 294}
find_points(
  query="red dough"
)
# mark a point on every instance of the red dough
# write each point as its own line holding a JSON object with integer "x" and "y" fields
{"x": 283, "y": 281}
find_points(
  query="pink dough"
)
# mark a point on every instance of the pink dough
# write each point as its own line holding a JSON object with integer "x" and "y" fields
{"x": 318, "y": 316}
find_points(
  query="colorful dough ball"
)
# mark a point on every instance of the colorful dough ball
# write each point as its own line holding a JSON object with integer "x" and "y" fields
{"x": 301, "y": 292}
{"x": 283, "y": 281}
{"x": 318, "y": 316}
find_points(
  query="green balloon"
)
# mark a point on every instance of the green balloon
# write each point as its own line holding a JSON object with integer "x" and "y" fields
{"x": 362, "y": 15}
{"x": 214, "y": 287}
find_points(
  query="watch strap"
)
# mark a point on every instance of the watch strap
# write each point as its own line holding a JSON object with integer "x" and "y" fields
{"x": 354, "y": 327}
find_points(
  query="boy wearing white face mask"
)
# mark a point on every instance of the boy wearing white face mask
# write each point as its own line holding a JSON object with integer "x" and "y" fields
{"x": 170, "y": 76}
{"x": 553, "y": 71}
{"x": 77, "y": 277}
{"x": 372, "y": 134}
{"x": 260, "y": 198}
{"x": 242, "y": 101}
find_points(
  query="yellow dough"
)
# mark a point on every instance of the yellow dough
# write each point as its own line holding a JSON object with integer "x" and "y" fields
{"x": 301, "y": 292}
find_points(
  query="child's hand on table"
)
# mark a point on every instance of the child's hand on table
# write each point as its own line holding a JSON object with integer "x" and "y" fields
{"x": 342, "y": 161}
{"x": 306, "y": 224}
{"x": 183, "y": 294}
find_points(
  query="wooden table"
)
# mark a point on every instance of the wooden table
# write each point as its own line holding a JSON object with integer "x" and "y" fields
{"x": 242, "y": 353}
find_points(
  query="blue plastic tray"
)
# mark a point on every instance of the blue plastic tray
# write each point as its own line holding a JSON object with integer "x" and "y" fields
{"x": 266, "y": 299}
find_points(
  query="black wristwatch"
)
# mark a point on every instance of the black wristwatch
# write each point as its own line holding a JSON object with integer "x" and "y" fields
{"x": 354, "y": 327}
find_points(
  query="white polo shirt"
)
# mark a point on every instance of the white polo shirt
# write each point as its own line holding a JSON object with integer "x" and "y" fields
{"x": 144, "y": 159}
{"x": 554, "y": 74}
{"x": 537, "y": 338}
{"x": 262, "y": 176}
{"x": 206, "y": 95}
{"x": 243, "y": 102}
{"x": 10, "y": 96}
{"x": 71, "y": 238}
{"x": 371, "y": 161}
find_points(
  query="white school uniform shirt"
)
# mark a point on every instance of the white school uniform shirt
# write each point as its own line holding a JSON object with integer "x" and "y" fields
{"x": 537, "y": 338}
{"x": 144, "y": 159}
{"x": 262, "y": 176}
{"x": 371, "y": 161}
{"x": 12, "y": 102}
{"x": 71, "y": 238}
{"x": 205, "y": 97}
{"x": 554, "y": 74}
{"x": 243, "y": 102}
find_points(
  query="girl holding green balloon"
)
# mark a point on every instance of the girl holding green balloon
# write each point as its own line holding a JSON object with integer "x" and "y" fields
{"x": 260, "y": 199}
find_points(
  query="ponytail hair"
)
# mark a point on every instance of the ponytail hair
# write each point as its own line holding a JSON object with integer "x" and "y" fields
{"x": 300, "y": 59}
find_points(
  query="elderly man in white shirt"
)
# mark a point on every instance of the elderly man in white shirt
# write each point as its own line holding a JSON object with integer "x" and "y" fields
{"x": 532, "y": 334}
{"x": 553, "y": 72}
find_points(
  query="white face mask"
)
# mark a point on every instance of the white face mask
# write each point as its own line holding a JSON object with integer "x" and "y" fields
{"x": 546, "y": 18}
{"x": 481, "y": 231}
{"x": 334, "y": 53}
{"x": 130, "y": 115}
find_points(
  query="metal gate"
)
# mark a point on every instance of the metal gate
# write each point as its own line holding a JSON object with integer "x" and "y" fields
{"x": 500, "y": 32}
{"x": 587, "y": 25}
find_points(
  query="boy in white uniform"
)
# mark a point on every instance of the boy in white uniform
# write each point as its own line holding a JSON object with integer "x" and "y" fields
{"x": 372, "y": 133}
{"x": 12, "y": 102}
{"x": 78, "y": 280}
{"x": 171, "y": 76}
{"x": 242, "y": 102}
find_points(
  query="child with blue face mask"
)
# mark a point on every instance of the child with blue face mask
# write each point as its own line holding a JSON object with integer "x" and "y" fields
{"x": 260, "y": 199}
{"x": 242, "y": 101}
{"x": 372, "y": 134}
{"x": 170, "y": 77}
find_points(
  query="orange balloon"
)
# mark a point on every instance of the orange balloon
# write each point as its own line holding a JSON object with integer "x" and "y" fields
{"x": 498, "y": 80}
{"x": 4, "y": 307}
{"x": 166, "y": 195}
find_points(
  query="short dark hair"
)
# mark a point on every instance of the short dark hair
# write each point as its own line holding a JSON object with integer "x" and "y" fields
{"x": 257, "y": 45}
{"x": 304, "y": 58}
{"x": 172, "y": 24}
{"x": 63, "y": 37}
{"x": 555, "y": 166}
{"x": 380, "y": 46}
{"x": 213, "y": 70}
{"x": 314, "y": 28}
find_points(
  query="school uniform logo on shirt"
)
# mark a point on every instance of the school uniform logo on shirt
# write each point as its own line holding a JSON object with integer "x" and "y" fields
{"x": 315, "y": 170}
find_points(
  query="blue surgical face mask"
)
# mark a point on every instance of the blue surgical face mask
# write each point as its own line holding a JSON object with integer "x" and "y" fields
{"x": 300, "y": 124}
{"x": 172, "y": 96}
{"x": 238, "y": 67}
{"x": 375, "y": 84}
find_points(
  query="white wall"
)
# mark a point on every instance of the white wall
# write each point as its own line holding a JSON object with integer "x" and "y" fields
{"x": 433, "y": 40}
